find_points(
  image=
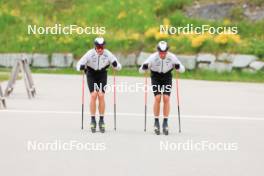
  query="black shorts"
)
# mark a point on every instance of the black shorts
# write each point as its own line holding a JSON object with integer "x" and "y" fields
{"x": 96, "y": 80}
{"x": 161, "y": 83}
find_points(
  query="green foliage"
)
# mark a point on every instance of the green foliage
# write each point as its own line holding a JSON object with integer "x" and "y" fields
{"x": 257, "y": 48}
{"x": 235, "y": 75}
{"x": 3, "y": 76}
{"x": 197, "y": 74}
{"x": 182, "y": 46}
{"x": 164, "y": 7}
{"x": 256, "y": 2}
{"x": 237, "y": 13}
{"x": 125, "y": 22}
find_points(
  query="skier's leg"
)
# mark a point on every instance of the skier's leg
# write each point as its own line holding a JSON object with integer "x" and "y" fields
{"x": 93, "y": 98}
{"x": 93, "y": 93}
{"x": 156, "y": 110}
{"x": 102, "y": 81}
{"x": 166, "y": 105}
{"x": 166, "y": 111}
{"x": 101, "y": 111}
{"x": 101, "y": 106}
{"x": 156, "y": 107}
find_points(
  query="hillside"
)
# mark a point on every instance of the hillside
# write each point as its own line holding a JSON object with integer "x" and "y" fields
{"x": 130, "y": 26}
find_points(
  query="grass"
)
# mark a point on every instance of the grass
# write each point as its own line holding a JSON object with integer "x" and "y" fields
{"x": 125, "y": 22}
{"x": 124, "y": 72}
{"x": 4, "y": 76}
{"x": 234, "y": 76}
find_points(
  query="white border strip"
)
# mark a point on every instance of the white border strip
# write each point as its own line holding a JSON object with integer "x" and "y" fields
{"x": 138, "y": 115}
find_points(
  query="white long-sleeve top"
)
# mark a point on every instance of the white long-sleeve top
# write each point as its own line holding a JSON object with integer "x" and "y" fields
{"x": 156, "y": 64}
{"x": 97, "y": 62}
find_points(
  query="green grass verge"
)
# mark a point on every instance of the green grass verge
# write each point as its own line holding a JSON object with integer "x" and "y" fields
{"x": 237, "y": 76}
{"x": 3, "y": 76}
{"x": 234, "y": 76}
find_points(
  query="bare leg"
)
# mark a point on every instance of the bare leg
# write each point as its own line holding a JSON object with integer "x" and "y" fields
{"x": 101, "y": 107}
{"x": 166, "y": 112}
{"x": 166, "y": 106}
{"x": 156, "y": 107}
{"x": 93, "y": 103}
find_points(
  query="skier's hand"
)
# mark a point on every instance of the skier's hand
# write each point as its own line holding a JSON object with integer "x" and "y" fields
{"x": 82, "y": 67}
{"x": 116, "y": 66}
{"x": 177, "y": 66}
{"x": 145, "y": 67}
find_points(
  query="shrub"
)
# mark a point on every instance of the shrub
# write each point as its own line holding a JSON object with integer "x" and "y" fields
{"x": 257, "y": 48}
{"x": 237, "y": 13}
{"x": 256, "y": 2}
{"x": 167, "y": 6}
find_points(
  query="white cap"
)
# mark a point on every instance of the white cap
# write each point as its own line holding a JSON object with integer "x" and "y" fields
{"x": 162, "y": 46}
{"x": 99, "y": 41}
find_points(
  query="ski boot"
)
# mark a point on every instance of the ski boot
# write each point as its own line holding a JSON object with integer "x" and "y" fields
{"x": 165, "y": 127}
{"x": 157, "y": 127}
{"x": 93, "y": 126}
{"x": 101, "y": 126}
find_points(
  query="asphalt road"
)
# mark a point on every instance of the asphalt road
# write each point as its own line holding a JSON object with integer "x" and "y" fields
{"x": 214, "y": 114}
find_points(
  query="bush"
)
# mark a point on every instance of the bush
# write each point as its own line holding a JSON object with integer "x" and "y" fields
{"x": 129, "y": 26}
{"x": 256, "y": 2}
{"x": 237, "y": 13}
{"x": 257, "y": 48}
{"x": 167, "y": 6}
{"x": 6, "y": 20}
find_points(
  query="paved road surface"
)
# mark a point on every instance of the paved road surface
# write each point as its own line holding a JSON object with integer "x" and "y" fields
{"x": 213, "y": 113}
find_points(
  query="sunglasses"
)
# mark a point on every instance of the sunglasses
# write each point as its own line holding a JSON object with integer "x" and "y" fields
{"x": 162, "y": 52}
{"x": 99, "y": 47}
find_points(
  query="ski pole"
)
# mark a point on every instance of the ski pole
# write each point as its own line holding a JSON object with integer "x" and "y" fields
{"x": 114, "y": 100}
{"x": 178, "y": 99}
{"x": 82, "y": 97}
{"x": 145, "y": 100}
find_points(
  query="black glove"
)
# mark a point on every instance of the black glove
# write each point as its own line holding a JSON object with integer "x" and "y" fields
{"x": 177, "y": 66}
{"x": 114, "y": 64}
{"x": 82, "y": 67}
{"x": 145, "y": 66}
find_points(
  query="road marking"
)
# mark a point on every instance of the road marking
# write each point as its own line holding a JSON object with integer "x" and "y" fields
{"x": 138, "y": 115}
